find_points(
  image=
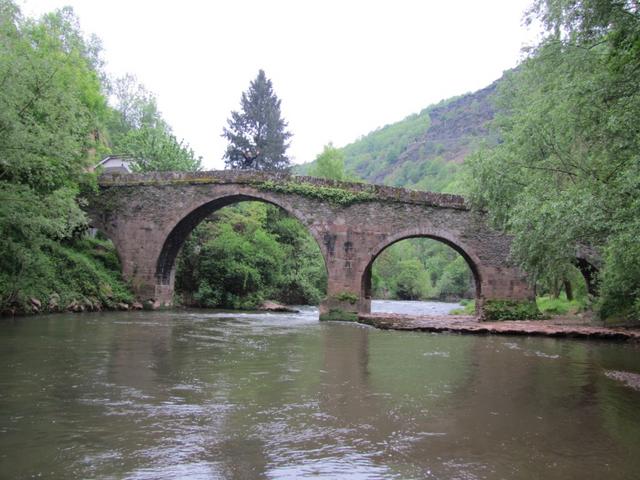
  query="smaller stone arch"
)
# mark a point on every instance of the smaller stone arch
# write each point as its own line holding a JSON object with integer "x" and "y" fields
{"x": 443, "y": 236}
{"x": 173, "y": 241}
{"x": 588, "y": 261}
{"x": 100, "y": 225}
{"x": 589, "y": 272}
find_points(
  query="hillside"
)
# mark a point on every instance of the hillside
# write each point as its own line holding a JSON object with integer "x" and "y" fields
{"x": 425, "y": 150}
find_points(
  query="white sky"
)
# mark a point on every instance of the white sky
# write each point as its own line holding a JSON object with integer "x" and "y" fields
{"x": 341, "y": 68}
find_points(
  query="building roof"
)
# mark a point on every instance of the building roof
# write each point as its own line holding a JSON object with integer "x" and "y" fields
{"x": 113, "y": 163}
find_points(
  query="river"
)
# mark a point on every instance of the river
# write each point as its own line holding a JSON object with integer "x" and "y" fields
{"x": 203, "y": 394}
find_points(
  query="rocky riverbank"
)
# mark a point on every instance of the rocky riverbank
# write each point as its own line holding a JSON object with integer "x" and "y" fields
{"x": 565, "y": 327}
{"x": 35, "y": 306}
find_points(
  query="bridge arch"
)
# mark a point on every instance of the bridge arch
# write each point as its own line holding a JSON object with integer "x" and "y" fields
{"x": 180, "y": 230}
{"x": 443, "y": 236}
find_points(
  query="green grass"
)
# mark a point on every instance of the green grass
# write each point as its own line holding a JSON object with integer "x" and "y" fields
{"x": 468, "y": 308}
{"x": 547, "y": 305}
{"x": 85, "y": 271}
{"x": 559, "y": 306}
{"x": 338, "y": 315}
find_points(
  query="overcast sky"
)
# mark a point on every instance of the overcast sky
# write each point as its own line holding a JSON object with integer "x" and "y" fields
{"x": 341, "y": 68}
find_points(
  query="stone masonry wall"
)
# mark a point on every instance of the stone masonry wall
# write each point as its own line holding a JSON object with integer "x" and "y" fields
{"x": 148, "y": 216}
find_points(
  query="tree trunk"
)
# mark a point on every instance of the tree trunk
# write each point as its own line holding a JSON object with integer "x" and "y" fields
{"x": 568, "y": 289}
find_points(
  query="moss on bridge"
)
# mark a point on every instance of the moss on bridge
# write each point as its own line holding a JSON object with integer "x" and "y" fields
{"x": 334, "y": 195}
{"x": 337, "y": 192}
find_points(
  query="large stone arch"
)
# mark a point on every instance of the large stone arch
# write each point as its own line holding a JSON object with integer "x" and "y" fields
{"x": 175, "y": 233}
{"x": 443, "y": 236}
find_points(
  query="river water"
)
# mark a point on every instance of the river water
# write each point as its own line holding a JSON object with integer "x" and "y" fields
{"x": 199, "y": 395}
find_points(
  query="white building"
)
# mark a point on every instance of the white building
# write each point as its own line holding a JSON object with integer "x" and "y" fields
{"x": 115, "y": 164}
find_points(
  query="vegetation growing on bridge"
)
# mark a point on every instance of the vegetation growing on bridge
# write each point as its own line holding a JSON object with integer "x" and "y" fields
{"x": 350, "y": 297}
{"x": 338, "y": 315}
{"x": 511, "y": 310}
{"x": 339, "y": 196}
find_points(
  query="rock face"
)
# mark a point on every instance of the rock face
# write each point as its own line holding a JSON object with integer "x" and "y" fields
{"x": 149, "y": 216}
{"x": 269, "y": 306}
{"x": 54, "y": 302}
{"x": 457, "y": 126}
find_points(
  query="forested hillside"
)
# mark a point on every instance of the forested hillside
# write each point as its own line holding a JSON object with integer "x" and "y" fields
{"x": 425, "y": 150}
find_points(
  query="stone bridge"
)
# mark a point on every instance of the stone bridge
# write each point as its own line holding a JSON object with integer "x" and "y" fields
{"x": 149, "y": 216}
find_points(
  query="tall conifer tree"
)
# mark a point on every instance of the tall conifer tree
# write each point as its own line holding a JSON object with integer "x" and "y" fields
{"x": 257, "y": 135}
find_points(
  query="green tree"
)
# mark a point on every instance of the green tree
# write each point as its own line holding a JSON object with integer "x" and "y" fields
{"x": 455, "y": 280}
{"x": 134, "y": 107}
{"x": 138, "y": 131}
{"x": 303, "y": 280}
{"x": 157, "y": 149}
{"x": 52, "y": 114}
{"x": 51, "y": 104}
{"x": 235, "y": 269}
{"x": 567, "y": 172}
{"x": 257, "y": 135}
{"x": 412, "y": 281}
{"x": 421, "y": 269}
{"x": 329, "y": 164}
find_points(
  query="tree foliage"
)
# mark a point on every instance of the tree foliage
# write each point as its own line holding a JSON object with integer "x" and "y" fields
{"x": 51, "y": 104}
{"x": 52, "y": 112}
{"x": 55, "y": 124}
{"x": 329, "y": 164}
{"x": 257, "y": 134}
{"x": 567, "y": 174}
{"x": 157, "y": 149}
{"x": 247, "y": 253}
{"x": 138, "y": 131}
{"x": 421, "y": 269}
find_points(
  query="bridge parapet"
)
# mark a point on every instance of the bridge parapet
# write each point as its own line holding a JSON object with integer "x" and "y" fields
{"x": 273, "y": 180}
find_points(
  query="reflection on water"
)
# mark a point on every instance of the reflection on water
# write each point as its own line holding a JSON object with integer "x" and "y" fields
{"x": 217, "y": 395}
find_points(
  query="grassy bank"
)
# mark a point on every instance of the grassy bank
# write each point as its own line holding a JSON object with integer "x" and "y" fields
{"x": 546, "y": 304}
{"x": 82, "y": 275}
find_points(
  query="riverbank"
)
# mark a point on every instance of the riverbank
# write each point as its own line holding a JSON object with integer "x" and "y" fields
{"x": 561, "y": 326}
